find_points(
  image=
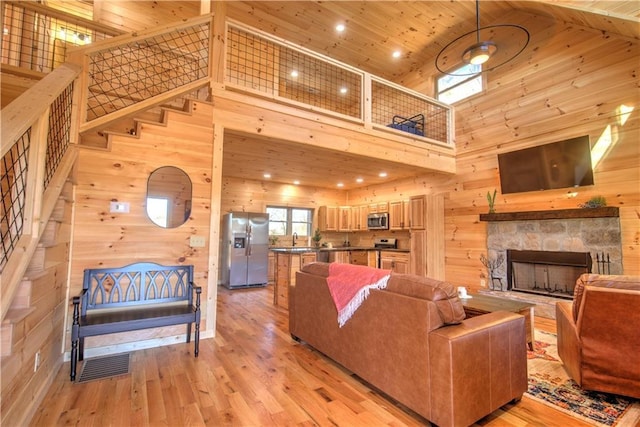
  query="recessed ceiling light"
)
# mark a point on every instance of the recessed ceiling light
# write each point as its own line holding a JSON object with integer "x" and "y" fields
{"x": 343, "y": 90}
{"x": 396, "y": 54}
{"x": 359, "y": 180}
{"x": 382, "y": 174}
{"x": 267, "y": 175}
{"x": 340, "y": 184}
{"x": 294, "y": 74}
{"x": 340, "y": 28}
{"x": 296, "y": 182}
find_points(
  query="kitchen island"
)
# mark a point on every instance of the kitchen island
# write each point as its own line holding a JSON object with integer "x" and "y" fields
{"x": 288, "y": 260}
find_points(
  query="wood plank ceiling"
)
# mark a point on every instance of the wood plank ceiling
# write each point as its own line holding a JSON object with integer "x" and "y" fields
{"x": 419, "y": 29}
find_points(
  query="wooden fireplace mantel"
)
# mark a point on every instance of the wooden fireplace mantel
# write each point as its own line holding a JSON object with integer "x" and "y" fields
{"x": 607, "y": 211}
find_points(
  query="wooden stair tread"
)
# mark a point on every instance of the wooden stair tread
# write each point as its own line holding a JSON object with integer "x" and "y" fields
{"x": 15, "y": 315}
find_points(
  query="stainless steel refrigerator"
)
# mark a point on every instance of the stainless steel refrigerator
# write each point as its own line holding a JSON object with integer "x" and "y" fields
{"x": 244, "y": 249}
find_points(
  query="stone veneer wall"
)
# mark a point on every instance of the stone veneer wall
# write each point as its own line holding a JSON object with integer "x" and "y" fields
{"x": 593, "y": 235}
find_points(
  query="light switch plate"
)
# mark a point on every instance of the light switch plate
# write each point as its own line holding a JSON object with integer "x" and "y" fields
{"x": 197, "y": 241}
{"x": 119, "y": 207}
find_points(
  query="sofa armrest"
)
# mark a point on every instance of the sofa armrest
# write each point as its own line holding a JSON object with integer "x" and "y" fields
{"x": 477, "y": 367}
{"x": 569, "y": 347}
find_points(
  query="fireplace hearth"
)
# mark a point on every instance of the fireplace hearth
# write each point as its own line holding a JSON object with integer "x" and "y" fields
{"x": 546, "y": 272}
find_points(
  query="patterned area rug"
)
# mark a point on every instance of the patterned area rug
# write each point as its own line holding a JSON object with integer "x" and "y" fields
{"x": 550, "y": 384}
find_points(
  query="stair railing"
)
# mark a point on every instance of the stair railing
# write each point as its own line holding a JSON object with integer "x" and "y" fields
{"x": 129, "y": 73}
{"x": 38, "y": 132}
{"x": 36, "y": 37}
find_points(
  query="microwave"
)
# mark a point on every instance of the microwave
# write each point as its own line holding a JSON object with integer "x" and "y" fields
{"x": 378, "y": 221}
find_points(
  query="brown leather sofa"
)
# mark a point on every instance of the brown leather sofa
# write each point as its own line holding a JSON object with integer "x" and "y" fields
{"x": 599, "y": 334}
{"x": 411, "y": 341}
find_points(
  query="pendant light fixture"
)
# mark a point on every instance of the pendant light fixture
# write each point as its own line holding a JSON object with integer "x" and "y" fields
{"x": 489, "y": 47}
{"x": 481, "y": 51}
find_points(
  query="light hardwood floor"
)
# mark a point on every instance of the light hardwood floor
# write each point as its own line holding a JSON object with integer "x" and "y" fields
{"x": 251, "y": 374}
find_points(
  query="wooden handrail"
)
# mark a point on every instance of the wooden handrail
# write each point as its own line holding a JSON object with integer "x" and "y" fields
{"x": 20, "y": 114}
{"x": 120, "y": 40}
{"x": 72, "y": 19}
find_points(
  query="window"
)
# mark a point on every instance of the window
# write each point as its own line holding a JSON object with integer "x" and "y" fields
{"x": 460, "y": 84}
{"x": 285, "y": 221}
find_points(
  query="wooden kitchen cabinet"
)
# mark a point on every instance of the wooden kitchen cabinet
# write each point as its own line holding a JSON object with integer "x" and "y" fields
{"x": 372, "y": 257}
{"x": 359, "y": 217}
{"x": 308, "y": 257}
{"x": 344, "y": 218}
{"x": 328, "y": 218}
{"x": 359, "y": 257}
{"x": 398, "y": 262}
{"x": 379, "y": 207}
{"x": 418, "y": 257}
{"x": 417, "y": 209}
{"x": 340, "y": 256}
{"x": 398, "y": 219}
{"x": 406, "y": 212}
{"x": 427, "y": 236}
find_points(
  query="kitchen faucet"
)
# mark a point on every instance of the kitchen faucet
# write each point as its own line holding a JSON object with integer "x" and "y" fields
{"x": 294, "y": 237}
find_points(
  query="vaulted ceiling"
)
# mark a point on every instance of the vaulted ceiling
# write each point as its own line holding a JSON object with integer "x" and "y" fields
{"x": 419, "y": 29}
{"x": 374, "y": 29}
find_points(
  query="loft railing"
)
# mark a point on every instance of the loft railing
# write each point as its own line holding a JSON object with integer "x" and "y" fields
{"x": 37, "y": 156}
{"x": 264, "y": 65}
{"x": 37, "y": 37}
{"x": 128, "y": 73}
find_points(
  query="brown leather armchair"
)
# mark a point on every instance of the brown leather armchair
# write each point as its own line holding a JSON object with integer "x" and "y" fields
{"x": 599, "y": 334}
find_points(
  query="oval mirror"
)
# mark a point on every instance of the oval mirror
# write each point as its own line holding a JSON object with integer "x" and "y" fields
{"x": 168, "y": 197}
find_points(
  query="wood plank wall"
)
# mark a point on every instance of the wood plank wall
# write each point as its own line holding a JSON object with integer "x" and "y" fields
{"x": 104, "y": 239}
{"x": 571, "y": 81}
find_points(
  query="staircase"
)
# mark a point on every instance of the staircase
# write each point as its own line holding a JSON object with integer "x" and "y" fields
{"x": 47, "y": 266}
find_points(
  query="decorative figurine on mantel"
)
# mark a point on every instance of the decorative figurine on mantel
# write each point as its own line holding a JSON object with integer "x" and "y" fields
{"x": 316, "y": 238}
{"x": 492, "y": 266}
{"x": 492, "y": 199}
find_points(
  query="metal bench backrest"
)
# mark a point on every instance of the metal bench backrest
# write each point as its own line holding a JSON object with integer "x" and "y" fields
{"x": 136, "y": 284}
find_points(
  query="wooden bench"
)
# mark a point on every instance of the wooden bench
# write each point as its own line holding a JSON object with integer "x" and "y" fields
{"x": 138, "y": 296}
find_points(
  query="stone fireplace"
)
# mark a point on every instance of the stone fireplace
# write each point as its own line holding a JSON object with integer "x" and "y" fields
{"x": 544, "y": 252}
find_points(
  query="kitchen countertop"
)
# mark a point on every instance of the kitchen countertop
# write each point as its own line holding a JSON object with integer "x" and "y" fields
{"x": 303, "y": 249}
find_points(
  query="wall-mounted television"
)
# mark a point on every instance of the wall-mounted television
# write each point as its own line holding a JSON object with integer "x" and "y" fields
{"x": 561, "y": 164}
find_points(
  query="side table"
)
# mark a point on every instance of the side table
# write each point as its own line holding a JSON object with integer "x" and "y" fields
{"x": 482, "y": 304}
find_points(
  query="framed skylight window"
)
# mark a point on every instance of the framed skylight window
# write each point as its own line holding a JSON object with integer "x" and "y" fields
{"x": 467, "y": 81}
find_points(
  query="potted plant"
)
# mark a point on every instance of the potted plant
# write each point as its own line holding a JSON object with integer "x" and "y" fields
{"x": 316, "y": 238}
{"x": 595, "y": 202}
{"x": 273, "y": 240}
{"x": 491, "y": 199}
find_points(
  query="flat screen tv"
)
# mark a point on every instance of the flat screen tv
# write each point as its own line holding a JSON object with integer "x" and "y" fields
{"x": 561, "y": 164}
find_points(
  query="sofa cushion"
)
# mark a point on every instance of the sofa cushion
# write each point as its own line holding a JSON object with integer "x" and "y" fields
{"x": 603, "y": 281}
{"x": 443, "y": 294}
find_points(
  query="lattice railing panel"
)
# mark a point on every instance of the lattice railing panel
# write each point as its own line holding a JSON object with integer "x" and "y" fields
{"x": 13, "y": 184}
{"x": 127, "y": 74}
{"x": 59, "y": 135}
{"x": 389, "y": 102}
{"x": 263, "y": 65}
{"x": 38, "y": 40}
